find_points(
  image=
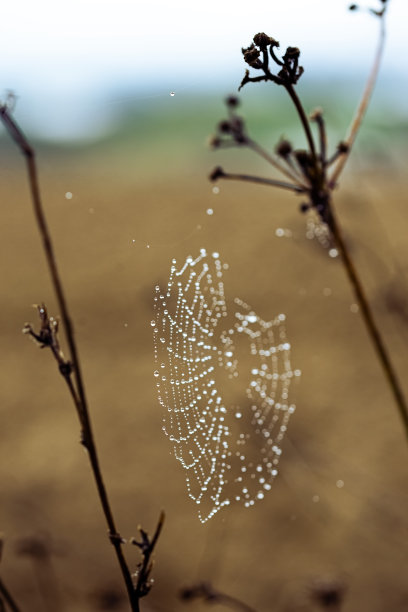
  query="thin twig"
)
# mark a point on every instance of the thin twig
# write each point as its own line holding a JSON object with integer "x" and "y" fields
{"x": 263, "y": 181}
{"x": 6, "y": 595}
{"x": 362, "y": 107}
{"x": 289, "y": 172}
{"x": 303, "y": 118}
{"x": 318, "y": 118}
{"x": 369, "y": 320}
{"x": 81, "y": 405}
{"x": 146, "y": 565}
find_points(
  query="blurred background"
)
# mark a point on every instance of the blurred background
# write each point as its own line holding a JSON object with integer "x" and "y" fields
{"x": 120, "y": 100}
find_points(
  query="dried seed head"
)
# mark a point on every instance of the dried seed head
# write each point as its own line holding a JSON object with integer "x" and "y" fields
{"x": 343, "y": 147}
{"x": 292, "y": 53}
{"x": 262, "y": 40}
{"x": 232, "y": 101}
{"x": 214, "y": 142}
{"x": 303, "y": 157}
{"x": 225, "y": 127}
{"x": 328, "y": 593}
{"x": 217, "y": 173}
{"x": 284, "y": 148}
{"x": 251, "y": 56}
{"x": 316, "y": 114}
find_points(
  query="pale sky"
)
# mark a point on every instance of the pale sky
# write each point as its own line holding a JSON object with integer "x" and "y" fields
{"x": 68, "y": 53}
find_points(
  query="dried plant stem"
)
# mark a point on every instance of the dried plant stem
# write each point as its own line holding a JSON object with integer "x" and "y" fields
{"x": 78, "y": 393}
{"x": 368, "y": 317}
{"x": 263, "y": 181}
{"x": 289, "y": 172}
{"x": 303, "y": 118}
{"x": 6, "y": 596}
{"x": 146, "y": 566}
{"x": 361, "y": 109}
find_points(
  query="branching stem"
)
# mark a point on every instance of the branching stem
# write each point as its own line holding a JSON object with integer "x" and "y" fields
{"x": 289, "y": 172}
{"x": 78, "y": 393}
{"x": 368, "y": 317}
{"x": 362, "y": 107}
{"x": 146, "y": 565}
{"x": 263, "y": 181}
{"x": 303, "y": 118}
{"x": 6, "y": 595}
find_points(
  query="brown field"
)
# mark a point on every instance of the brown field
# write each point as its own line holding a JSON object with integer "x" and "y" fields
{"x": 346, "y": 426}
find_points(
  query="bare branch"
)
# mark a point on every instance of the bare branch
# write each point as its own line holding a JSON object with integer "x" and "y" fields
{"x": 362, "y": 107}
{"x": 77, "y": 392}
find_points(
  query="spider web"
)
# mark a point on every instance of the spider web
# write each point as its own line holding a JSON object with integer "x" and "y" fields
{"x": 223, "y": 383}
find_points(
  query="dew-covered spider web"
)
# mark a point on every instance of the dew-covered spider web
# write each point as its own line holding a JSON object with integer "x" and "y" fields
{"x": 223, "y": 377}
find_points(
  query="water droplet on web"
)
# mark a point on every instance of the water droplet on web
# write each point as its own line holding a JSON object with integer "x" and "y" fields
{"x": 125, "y": 324}
{"x": 229, "y": 451}
{"x": 340, "y": 484}
{"x": 68, "y": 195}
{"x": 152, "y": 322}
{"x": 172, "y": 94}
{"x": 333, "y": 253}
{"x": 216, "y": 190}
{"x": 147, "y": 246}
{"x": 209, "y": 211}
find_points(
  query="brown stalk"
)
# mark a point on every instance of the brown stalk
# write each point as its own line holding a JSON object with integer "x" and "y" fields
{"x": 321, "y": 186}
{"x": 6, "y": 596}
{"x": 77, "y": 391}
{"x": 369, "y": 320}
{"x": 303, "y": 119}
{"x": 361, "y": 109}
{"x": 261, "y": 180}
{"x": 289, "y": 172}
{"x": 147, "y": 547}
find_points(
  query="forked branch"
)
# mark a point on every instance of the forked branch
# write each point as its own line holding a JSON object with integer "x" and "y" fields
{"x": 312, "y": 168}
{"x": 362, "y": 107}
{"x": 6, "y": 597}
{"x": 69, "y": 368}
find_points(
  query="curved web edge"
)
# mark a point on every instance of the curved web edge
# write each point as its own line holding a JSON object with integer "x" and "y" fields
{"x": 230, "y": 451}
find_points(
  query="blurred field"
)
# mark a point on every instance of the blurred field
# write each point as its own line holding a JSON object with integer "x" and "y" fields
{"x": 139, "y": 200}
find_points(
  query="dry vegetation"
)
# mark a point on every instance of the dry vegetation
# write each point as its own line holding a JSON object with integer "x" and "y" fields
{"x": 346, "y": 427}
{"x": 334, "y": 524}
